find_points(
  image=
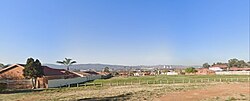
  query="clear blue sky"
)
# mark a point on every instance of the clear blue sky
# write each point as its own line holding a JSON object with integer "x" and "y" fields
{"x": 129, "y": 32}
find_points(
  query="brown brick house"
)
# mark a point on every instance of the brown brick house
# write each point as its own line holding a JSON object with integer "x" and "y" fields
{"x": 204, "y": 71}
{"x": 15, "y": 73}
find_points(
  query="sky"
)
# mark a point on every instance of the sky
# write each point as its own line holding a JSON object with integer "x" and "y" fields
{"x": 125, "y": 32}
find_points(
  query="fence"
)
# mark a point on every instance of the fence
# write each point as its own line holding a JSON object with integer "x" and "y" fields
{"x": 233, "y": 73}
{"x": 17, "y": 84}
{"x": 68, "y": 82}
{"x": 147, "y": 82}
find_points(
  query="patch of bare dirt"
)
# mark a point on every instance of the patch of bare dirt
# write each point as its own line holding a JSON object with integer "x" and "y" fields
{"x": 214, "y": 92}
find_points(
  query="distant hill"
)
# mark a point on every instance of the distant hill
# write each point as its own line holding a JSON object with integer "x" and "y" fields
{"x": 99, "y": 67}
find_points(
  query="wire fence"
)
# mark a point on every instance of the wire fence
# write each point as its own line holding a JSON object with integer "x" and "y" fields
{"x": 177, "y": 81}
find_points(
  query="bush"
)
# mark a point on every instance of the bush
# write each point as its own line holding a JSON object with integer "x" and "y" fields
{"x": 190, "y": 70}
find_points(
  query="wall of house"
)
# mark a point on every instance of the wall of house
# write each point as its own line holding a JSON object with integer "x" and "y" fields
{"x": 13, "y": 74}
{"x": 64, "y": 82}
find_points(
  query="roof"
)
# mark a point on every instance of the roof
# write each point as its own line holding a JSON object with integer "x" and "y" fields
{"x": 221, "y": 66}
{"x": 86, "y": 73}
{"x": 47, "y": 70}
{"x": 103, "y": 73}
{"x": 51, "y": 71}
{"x": 10, "y": 67}
{"x": 239, "y": 69}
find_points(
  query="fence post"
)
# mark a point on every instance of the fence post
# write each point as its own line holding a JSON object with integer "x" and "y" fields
{"x": 147, "y": 81}
{"x": 69, "y": 85}
{"x": 231, "y": 79}
{"x": 7, "y": 81}
{"x": 77, "y": 85}
{"x": 220, "y": 79}
{"x": 237, "y": 79}
{"x": 101, "y": 84}
{"x": 214, "y": 80}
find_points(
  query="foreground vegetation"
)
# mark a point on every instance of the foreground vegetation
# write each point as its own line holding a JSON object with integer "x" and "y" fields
{"x": 130, "y": 92}
{"x": 117, "y": 93}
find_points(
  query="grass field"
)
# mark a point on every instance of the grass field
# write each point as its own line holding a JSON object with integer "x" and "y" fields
{"x": 174, "y": 79}
{"x": 106, "y": 93}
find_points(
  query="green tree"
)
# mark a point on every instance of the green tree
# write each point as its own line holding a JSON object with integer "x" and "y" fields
{"x": 232, "y": 62}
{"x": 242, "y": 64}
{"x": 32, "y": 70}
{"x": 237, "y": 63}
{"x": 67, "y": 62}
{"x": 205, "y": 65}
{"x": 190, "y": 70}
{"x": 106, "y": 69}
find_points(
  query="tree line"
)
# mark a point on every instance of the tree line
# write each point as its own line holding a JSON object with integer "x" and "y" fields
{"x": 231, "y": 63}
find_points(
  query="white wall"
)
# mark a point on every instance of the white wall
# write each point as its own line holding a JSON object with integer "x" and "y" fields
{"x": 233, "y": 73}
{"x": 63, "y": 82}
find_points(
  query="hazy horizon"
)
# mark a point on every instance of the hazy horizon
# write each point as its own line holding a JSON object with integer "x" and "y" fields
{"x": 126, "y": 32}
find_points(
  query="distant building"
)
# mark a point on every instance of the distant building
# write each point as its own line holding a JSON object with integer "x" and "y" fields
{"x": 205, "y": 71}
{"x": 172, "y": 73}
{"x": 215, "y": 69}
{"x": 219, "y": 67}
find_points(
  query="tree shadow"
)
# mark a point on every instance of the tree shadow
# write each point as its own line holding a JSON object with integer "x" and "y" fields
{"x": 122, "y": 97}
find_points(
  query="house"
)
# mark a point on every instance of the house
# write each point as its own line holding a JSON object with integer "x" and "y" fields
{"x": 204, "y": 71}
{"x": 172, "y": 73}
{"x": 215, "y": 69}
{"x": 15, "y": 72}
{"x": 219, "y": 67}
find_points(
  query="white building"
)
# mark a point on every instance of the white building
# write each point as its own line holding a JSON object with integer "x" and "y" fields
{"x": 215, "y": 69}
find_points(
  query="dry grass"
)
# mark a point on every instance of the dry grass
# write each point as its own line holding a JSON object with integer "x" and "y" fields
{"x": 130, "y": 93}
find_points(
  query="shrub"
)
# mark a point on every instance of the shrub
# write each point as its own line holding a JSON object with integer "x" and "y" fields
{"x": 190, "y": 70}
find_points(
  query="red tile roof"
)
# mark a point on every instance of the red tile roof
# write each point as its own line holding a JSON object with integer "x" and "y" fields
{"x": 51, "y": 71}
{"x": 47, "y": 70}
{"x": 239, "y": 69}
{"x": 221, "y": 66}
